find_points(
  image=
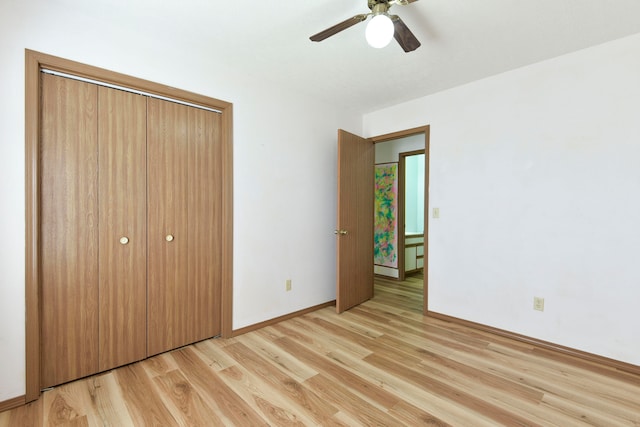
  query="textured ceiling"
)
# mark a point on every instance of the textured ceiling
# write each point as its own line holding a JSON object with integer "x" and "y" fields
{"x": 462, "y": 40}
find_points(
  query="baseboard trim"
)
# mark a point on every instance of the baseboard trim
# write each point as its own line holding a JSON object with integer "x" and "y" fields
{"x": 12, "y": 403}
{"x": 544, "y": 345}
{"x": 275, "y": 320}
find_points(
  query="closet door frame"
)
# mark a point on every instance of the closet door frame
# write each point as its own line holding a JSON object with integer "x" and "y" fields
{"x": 34, "y": 63}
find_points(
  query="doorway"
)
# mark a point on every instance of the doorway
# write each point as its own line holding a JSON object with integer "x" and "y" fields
{"x": 354, "y": 222}
{"x": 411, "y": 212}
{"x": 401, "y": 170}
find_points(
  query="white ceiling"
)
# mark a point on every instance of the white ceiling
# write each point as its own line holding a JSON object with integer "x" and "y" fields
{"x": 462, "y": 40}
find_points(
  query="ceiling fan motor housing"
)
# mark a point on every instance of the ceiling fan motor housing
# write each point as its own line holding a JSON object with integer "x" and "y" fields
{"x": 378, "y": 7}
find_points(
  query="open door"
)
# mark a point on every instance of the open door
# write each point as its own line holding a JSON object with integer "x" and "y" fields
{"x": 354, "y": 233}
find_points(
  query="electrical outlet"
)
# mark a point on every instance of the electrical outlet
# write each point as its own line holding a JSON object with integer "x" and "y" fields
{"x": 538, "y": 303}
{"x": 288, "y": 285}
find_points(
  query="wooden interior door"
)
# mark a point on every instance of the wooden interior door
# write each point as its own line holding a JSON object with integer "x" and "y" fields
{"x": 184, "y": 225}
{"x": 69, "y": 230}
{"x": 122, "y": 236}
{"x": 354, "y": 264}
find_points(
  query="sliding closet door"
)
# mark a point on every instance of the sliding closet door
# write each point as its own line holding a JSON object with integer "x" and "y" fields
{"x": 123, "y": 238}
{"x": 69, "y": 230}
{"x": 184, "y": 225}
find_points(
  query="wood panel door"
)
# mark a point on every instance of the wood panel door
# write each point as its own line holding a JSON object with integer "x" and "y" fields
{"x": 184, "y": 225}
{"x": 69, "y": 230}
{"x": 122, "y": 232}
{"x": 354, "y": 264}
{"x": 204, "y": 263}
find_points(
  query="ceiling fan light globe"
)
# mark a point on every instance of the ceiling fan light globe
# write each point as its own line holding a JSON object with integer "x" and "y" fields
{"x": 379, "y": 31}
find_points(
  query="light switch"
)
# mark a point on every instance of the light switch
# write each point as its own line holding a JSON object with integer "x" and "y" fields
{"x": 436, "y": 212}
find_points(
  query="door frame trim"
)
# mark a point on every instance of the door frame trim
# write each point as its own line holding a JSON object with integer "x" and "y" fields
{"x": 34, "y": 62}
{"x": 427, "y": 151}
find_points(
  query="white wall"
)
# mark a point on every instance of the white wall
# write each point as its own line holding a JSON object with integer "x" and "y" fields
{"x": 537, "y": 176}
{"x": 284, "y": 166}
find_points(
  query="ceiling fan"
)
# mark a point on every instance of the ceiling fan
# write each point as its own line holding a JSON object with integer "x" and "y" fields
{"x": 381, "y": 27}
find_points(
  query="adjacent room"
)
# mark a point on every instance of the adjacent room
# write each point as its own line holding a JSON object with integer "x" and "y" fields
{"x": 438, "y": 228}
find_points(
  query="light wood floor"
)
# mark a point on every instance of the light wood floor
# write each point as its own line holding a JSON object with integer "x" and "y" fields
{"x": 406, "y": 294}
{"x": 381, "y": 363}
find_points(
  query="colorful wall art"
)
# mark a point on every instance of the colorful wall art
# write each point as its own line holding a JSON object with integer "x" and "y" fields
{"x": 385, "y": 228}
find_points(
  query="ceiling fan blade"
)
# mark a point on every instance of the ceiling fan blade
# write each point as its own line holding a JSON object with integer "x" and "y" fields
{"x": 402, "y": 2}
{"x": 338, "y": 27}
{"x": 404, "y": 36}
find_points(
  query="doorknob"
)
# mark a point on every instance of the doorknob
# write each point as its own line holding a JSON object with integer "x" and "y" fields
{"x": 341, "y": 232}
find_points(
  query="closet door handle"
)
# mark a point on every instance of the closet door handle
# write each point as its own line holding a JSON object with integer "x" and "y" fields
{"x": 169, "y": 238}
{"x": 124, "y": 240}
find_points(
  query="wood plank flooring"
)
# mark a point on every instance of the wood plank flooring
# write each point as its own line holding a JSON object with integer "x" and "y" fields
{"x": 381, "y": 363}
{"x": 406, "y": 294}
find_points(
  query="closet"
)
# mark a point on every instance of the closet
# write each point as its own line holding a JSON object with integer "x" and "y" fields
{"x": 130, "y": 229}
